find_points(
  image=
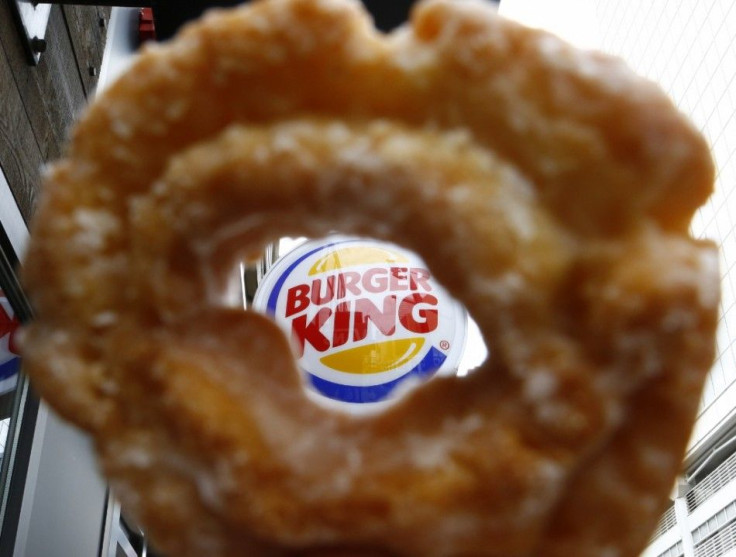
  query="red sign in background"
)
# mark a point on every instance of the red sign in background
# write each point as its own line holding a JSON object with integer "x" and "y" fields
{"x": 9, "y": 359}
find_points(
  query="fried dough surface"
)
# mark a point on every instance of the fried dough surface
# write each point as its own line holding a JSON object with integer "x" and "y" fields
{"x": 548, "y": 189}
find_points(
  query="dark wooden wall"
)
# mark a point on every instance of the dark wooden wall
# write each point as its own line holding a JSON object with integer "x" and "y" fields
{"x": 38, "y": 104}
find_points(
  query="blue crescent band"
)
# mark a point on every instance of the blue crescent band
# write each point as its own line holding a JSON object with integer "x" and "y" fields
{"x": 376, "y": 393}
{"x": 9, "y": 368}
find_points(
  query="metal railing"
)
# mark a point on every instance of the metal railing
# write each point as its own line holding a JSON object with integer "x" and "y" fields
{"x": 674, "y": 551}
{"x": 715, "y": 523}
{"x": 666, "y": 521}
{"x": 719, "y": 543}
{"x": 713, "y": 482}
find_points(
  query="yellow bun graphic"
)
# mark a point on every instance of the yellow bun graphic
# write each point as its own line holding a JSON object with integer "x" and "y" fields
{"x": 376, "y": 357}
{"x": 355, "y": 255}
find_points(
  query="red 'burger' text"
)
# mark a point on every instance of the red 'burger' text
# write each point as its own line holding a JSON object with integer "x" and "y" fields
{"x": 407, "y": 303}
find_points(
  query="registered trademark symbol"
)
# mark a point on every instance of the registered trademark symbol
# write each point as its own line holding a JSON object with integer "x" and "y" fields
{"x": 444, "y": 345}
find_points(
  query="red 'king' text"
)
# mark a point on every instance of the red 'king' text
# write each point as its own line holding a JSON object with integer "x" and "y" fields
{"x": 414, "y": 309}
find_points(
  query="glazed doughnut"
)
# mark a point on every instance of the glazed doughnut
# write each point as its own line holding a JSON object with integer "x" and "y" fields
{"x": 548, "y": 189}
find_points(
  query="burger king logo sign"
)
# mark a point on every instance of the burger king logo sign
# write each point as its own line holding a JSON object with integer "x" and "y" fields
{"x": 364, "y": 317}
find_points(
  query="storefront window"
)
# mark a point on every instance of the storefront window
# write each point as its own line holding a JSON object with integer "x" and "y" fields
{"x": 18, "y": 408}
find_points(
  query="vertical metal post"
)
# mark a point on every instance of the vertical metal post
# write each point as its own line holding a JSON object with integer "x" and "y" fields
{"x": 682, "y": 516}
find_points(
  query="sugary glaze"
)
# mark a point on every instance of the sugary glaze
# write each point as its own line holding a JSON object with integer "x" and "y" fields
{"x": 550, "y": 191}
